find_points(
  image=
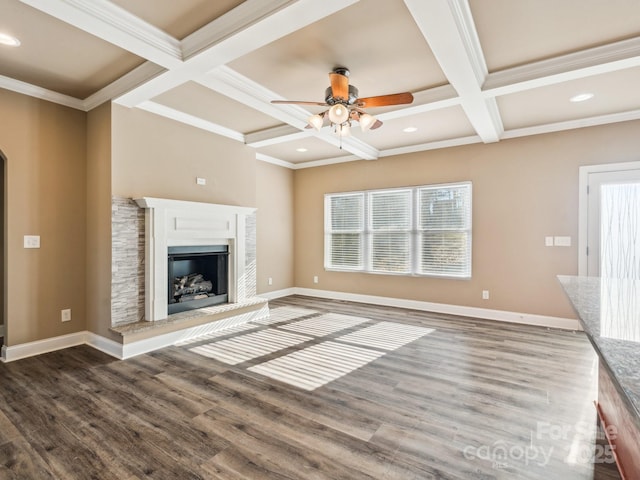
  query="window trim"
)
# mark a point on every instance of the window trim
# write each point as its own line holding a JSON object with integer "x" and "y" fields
{"x": 414, "y": 232}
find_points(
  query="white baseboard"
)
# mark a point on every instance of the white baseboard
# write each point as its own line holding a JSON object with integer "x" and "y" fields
{"x": 128, "y": 350}
{"x": 476, "y": 312}
{"x": 278, "y": 293}
{"x": 104, "y": 344}
{"x": 24, "y": 350}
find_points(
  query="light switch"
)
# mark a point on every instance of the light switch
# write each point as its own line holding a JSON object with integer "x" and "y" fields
{"x": 548, "y": 241}
{"x": 562, "y": 241}
{"x": 32, "y": 241}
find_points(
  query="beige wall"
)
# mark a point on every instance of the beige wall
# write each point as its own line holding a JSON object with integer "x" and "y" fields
{"x": 274, "y": 192}
{"x": 523, "y": 190}
{"x": 45, "y": 146}
{"x": 99, "y": 220}
{"x": 157, "y": 157}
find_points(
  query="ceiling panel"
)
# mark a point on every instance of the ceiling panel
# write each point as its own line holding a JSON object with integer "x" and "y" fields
{"x": 517, "y": 32}
{"x": 432, "y": 126}
{"x": 613, "y": 92}
{"x": 377, "y": 40}
{"x": 57, "y": 56}
{"x": 194, "y": 99}
{"x": 178, "y": 18}
{"x": 316, "y": 150}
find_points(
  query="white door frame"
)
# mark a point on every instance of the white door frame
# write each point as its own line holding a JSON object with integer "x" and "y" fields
{"x": 583, "y": 202}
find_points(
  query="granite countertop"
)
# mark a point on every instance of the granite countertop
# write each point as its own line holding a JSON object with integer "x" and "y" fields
{"x": 609, "y": 311}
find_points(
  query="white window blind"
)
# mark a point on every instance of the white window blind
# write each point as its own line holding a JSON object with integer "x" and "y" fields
{"x": 390, "y": 227}
{"x": 344, "y": 231}
{"x": 444, "y": 225}
{"x": 405, "y": 231}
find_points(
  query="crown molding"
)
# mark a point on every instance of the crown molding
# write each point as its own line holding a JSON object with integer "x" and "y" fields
{"x": 41, "y": 93}
{"x": 573, "y": 124}
{"x": 451, "y": 142}
{"x": 275, "y": 161}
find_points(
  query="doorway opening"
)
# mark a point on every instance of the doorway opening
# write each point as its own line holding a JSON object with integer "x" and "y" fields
{"x": 3, "y": 246}
{"x": 609, "y": 220}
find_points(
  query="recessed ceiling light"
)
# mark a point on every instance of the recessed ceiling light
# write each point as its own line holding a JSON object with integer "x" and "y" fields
{"x": 6, "y": 39}
{"x": 410, "y": 129}
{"x": 302, "y": 149}
{"x": 581, "y": 97}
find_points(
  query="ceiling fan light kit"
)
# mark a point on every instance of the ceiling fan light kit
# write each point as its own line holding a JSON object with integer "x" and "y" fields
{"x": 345, "y": 106}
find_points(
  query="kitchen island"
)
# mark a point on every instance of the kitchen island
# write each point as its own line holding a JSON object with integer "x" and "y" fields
{"x": 609, "y": 312}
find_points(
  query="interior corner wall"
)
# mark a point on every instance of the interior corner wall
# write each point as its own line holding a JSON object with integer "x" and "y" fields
{"x": 45, "y": 147}
{"x": 98, "y": 233}
{"x": 153, "y": 156}
{"x": 523, "y": 190}
{"x": 275, "y": 245}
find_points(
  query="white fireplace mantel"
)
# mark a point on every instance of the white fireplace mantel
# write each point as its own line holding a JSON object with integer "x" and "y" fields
{"x": 170, "y": 223}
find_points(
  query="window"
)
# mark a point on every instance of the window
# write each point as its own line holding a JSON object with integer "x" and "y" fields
{"x": 444, "y": 229}
{"x": 345, "y": 231}
{"x": 406, "y": 231}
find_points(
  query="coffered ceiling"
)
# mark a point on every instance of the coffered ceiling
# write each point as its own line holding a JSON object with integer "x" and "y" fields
{"x": 479, "y": 70}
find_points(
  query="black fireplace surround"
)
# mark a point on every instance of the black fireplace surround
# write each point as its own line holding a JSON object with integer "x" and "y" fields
{"x": 198, "y": 277}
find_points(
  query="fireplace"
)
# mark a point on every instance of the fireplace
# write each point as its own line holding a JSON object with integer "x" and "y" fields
{"x": 198, "y": 277}
{"x": 190, "y": 229}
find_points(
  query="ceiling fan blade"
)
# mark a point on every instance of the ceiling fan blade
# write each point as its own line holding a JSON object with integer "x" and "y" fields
{"x": 385, "y": 100}
{"x": 339, "y": 86}
{"x": 297, "y": 102}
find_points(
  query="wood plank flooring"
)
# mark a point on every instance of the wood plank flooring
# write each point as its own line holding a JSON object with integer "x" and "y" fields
{"x": 471, "y": 399}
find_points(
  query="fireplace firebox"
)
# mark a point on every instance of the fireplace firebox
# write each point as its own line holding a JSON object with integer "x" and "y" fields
{"x": 198, "y": 277}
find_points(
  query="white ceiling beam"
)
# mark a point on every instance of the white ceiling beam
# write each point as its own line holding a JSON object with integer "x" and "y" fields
{"x": 448, "y": 28}
{"x": 241, "y": 89}
{"x": 425, "y": 101}
{"x": 249, "y": 26}
{"x": 129, "y": 80}
{"x": 275, "y": 136}
{"x": 117, "y": 26}
{"x": 192, "y": 120}
{"x": 594, "y": 61}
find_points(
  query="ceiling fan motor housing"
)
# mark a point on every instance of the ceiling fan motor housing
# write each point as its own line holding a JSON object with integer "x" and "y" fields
{"x": 353, "y": 96}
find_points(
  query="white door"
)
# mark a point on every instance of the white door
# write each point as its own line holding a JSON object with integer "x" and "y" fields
{"x": 613, "y": 223}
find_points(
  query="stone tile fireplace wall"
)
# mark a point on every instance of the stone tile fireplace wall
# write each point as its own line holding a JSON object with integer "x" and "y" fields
{"x": 128, "y": 261}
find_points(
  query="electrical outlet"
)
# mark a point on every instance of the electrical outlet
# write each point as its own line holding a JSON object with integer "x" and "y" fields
{"x": 315, "y": 279}
{"x": 270, "y": 281}
{"x": 548, "y": 241}
{"x": 485, "y": 294}
{"x": 201, "y": 181}
{"x": 65, "y": 315}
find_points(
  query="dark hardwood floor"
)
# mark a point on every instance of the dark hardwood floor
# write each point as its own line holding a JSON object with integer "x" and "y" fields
{"x": 469, "y": 400}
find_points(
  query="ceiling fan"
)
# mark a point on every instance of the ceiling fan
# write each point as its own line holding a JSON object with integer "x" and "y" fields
{"x": 346, "y": 106}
